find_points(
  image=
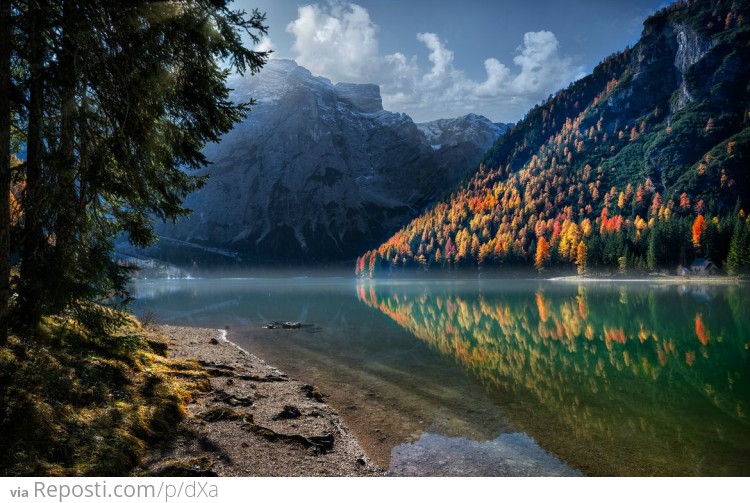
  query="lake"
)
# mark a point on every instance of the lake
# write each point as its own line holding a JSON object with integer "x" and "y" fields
{"x": 503, "y": 377}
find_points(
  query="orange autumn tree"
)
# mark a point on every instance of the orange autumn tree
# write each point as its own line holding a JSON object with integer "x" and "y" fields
{"x": 699, "y": 227}
{"x": 542, "y": 253}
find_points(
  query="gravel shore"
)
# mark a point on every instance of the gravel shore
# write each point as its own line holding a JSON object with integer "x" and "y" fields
{"x": 253, "y": 420}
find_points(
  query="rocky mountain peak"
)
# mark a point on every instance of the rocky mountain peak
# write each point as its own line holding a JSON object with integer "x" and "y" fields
{"x": 473, "y": 128}
{"x": 316, "y": 173}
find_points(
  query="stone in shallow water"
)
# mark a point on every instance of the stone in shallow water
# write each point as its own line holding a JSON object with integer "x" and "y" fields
{"x": 510, "y": 454}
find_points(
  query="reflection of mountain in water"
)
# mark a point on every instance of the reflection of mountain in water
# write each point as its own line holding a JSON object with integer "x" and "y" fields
{"x": 614, "y": 380}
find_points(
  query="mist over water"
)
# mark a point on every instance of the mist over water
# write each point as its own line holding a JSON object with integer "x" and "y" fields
{"x": 605, "y": 379}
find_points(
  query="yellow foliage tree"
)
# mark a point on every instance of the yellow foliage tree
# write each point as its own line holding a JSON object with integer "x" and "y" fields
{"x": 581, "y": 257}
{"x": 586, "y": 227}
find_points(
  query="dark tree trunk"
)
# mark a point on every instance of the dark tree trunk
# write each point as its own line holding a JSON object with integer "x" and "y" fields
{"x": 65, "y": 163}
{"x": 33, "y": 247}
{"x": 5, "y": 90}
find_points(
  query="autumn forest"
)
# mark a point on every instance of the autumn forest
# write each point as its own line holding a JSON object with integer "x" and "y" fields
{"x": 639, "y": 167}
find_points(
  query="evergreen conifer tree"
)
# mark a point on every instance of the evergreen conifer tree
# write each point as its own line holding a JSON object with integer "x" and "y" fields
{"x": 122, "y": 97}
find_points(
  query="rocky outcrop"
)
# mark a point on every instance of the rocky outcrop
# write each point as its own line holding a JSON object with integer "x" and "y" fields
{"x": 691, "y": 48}
{"x": 316, "y": 173}
{"x": 472, "y": 129}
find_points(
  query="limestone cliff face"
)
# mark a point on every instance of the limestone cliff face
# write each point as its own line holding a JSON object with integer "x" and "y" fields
{"x": 660, "y": 65}
{"x": 691, "y": 48}
{"x": 316, "y": 173}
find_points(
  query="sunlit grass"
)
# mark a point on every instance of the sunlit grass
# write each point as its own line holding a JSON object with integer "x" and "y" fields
{"x": 76, "y": 402}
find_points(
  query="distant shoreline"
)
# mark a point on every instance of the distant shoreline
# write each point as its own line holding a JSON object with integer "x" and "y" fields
{"x": 569, "y": 278}
{"x": 707, "y": 280}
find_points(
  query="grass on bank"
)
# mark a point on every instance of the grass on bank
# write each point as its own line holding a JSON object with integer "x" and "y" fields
{"x": 76, "y": 401}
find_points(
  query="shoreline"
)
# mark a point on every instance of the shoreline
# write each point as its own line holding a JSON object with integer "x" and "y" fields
{"x": 251, "y": 419}
{"x": 697, "y": 280}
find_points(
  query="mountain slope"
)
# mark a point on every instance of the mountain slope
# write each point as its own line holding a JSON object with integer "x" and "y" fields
{"x": 639, "y": 165}
{"x": 316, "y": 173}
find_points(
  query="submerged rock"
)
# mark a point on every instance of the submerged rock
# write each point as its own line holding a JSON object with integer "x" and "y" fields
{"x": 288, "y": 325}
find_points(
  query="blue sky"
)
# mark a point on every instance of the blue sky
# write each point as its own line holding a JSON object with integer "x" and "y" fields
{"x": 439, "y": 58}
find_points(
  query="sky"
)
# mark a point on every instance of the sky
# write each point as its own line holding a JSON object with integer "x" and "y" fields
{"x": 438, "y": 58}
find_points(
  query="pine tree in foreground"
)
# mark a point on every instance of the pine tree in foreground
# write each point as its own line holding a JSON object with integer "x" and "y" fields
{"x": 114, "y": 101}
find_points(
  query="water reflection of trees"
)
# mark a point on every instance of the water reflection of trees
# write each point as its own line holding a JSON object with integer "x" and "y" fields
{"x": 657, "y": 379}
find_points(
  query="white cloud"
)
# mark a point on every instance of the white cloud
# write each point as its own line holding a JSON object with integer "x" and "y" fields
{"x": 441, "y": 58}
{"x": 266, "y": 45}
{"x": 540, "y": 63}
{"x": 339, "y": 41}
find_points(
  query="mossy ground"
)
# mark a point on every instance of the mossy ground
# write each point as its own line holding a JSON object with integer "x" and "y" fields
{"x": 76, "y": 402}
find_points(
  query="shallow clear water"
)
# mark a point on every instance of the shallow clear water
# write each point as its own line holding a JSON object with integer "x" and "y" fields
{"x": 497, "y": 377}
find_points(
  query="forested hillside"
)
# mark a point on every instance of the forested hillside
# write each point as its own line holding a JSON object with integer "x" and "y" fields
{"x": 638, "y": 167}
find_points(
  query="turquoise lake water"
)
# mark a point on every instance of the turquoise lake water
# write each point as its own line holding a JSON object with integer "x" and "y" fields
{"x": 493, "y": 377}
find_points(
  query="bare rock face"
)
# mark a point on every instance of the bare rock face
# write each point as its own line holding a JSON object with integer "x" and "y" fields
{"x": 316, "y": 173}
{"x": 475, "y": 130}
{"x": 362, "y": 97}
